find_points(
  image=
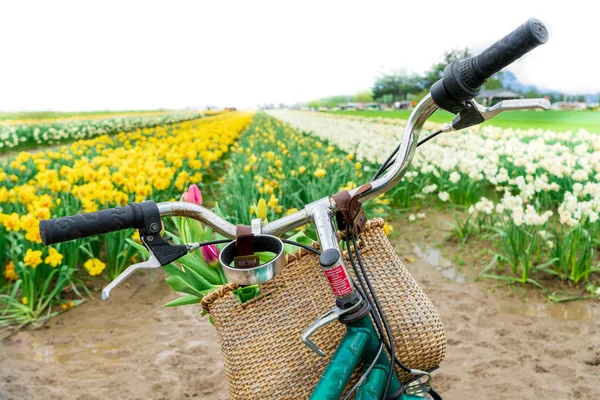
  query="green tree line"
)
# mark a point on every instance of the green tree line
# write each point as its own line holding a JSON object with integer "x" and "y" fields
{"x": 397, "y": 85}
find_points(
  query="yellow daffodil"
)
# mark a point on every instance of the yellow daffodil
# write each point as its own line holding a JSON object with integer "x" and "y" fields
{"x": 54, "y": 258}
{"x": 12, "y": 222}
{"x": 10, "y": 274}
{"x": 32, "y": 258}
{"x": 273, "y": 201}
{"x": 320, "y": 173}
{"x": 387, "y": 229}
{"x": 94, "y": 266}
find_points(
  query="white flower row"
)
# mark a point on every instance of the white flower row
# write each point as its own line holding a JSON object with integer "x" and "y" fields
{"x": 12, "y": 135}
{"x": 565, "y": 166}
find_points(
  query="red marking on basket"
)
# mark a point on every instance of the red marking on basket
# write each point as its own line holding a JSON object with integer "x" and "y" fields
{"x": 339, "y": 280}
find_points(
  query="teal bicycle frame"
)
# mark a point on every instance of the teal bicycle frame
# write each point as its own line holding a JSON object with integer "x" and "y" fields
{"x": 360, "y": 342}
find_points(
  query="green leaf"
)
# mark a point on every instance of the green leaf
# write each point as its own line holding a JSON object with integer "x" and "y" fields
{"x": 299, "y": 237}
{"x": 197, "y": 264}
{"x": 173, "y": 270}
{"x": 217, "y": 210}
{"x": 179, "y": 285}
{"x": 197, "y": 281}
{"x": 196, "y": 230}
{"x": 143, "y": 250}
{"x": 184, "y": 300}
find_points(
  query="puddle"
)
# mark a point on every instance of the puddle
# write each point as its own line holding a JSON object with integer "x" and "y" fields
{"x": 562, "y": 311}
{"x": 434, "y": 257}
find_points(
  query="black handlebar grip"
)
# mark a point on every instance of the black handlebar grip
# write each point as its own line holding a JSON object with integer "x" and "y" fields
{"x": 83, "y": 225}
{"x": 475, "y": 70}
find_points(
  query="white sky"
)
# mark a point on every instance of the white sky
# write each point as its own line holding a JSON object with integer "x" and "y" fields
{"x": 88, "y": 55}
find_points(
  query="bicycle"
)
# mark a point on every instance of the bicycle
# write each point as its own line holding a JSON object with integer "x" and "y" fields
{"x": 367, "y": 337}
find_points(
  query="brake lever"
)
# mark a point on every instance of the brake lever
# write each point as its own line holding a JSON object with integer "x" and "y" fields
{"x": 161, "y": 253}
{"x": 512, "y": 105}
{"x": 474, "y": 113}
{"x": 151, "y": 263}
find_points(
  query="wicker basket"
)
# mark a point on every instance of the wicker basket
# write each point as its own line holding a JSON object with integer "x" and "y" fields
{"x": 260, "y": 339}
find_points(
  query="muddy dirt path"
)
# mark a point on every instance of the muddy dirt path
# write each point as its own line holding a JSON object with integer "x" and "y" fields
{"x": 127, "y": 348}
{"x": 130, "y": 348}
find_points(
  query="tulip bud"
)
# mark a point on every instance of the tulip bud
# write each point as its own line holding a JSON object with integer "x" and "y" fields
{"x": 193, "y": 195}
{"x": 261, "y": 209}
{"x": 211, "y": 255}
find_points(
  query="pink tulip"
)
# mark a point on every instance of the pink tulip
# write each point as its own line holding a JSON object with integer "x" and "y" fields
{"x": 193, "y": 195}
{"x": 211, "y": 255}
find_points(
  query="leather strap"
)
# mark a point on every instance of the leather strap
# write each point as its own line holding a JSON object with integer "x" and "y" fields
{"x": 244, "y": 246}
{"x": 349, "y": 209}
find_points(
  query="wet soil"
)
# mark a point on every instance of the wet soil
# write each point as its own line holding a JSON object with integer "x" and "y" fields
{"x": 503, "y": 341}
{"x": 127, "y": 348}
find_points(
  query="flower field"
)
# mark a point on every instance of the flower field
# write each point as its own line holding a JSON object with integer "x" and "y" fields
{"x": 536, "y": 192}
{"x": 19, "y": 134}
{"x": 288, "y": 169}
{"x": 107, "y": 171}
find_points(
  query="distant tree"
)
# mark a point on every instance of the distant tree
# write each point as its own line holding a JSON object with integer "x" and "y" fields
{"x": 365, "y": 96}
{"x": 533, "y": 94}
{"x": 436, "y": 71}
{"x": 397, "y": 84}
{"x": 331, "y": 101}
{"x": 417, "y": 97}
{"x": 493, "y": 82}
{"x": 314, "y": 103}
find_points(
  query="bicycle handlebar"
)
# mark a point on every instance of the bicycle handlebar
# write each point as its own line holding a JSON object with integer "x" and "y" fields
{"x": 463, "y": 79}
{"x": 79, "y": 226}
{"x": 528, "y": 36}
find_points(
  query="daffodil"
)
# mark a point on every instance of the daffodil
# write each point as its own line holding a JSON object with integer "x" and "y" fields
{"x": 320, "y": 172}
{"x": 32, "y": 258}
{"x": 387, "y": 229}
{"x": 10, "y": 274}
{"x": 94, "y": 266}
{"x": 54, "y": 258}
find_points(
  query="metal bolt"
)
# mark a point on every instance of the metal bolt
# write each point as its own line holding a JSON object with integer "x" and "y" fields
{"x": 154, "y": 227}
{"x": 150, "y": 238}
{"x": 456, "y": 109}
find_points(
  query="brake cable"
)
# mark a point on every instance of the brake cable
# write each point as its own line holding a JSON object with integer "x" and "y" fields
{"x": 367, "y": 372}
{"x": 376, "y": 310}
{"x": 388, "y": 161}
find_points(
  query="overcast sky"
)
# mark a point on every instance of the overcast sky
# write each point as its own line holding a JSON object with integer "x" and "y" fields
{"x": 87, "y": 55}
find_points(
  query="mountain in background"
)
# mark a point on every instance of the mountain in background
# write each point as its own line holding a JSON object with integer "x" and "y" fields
{"x": 509, "y": 81}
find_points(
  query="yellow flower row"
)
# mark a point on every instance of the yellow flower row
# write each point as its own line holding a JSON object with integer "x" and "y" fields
{"x": 110, "y": 171}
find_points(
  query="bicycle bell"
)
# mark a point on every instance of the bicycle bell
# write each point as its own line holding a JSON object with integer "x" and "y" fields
{"x": 240, "y": 262}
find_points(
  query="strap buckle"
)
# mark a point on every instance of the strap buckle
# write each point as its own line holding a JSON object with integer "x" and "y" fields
{"x": 349, "y": 209}
{"x": 248, "y": 261}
